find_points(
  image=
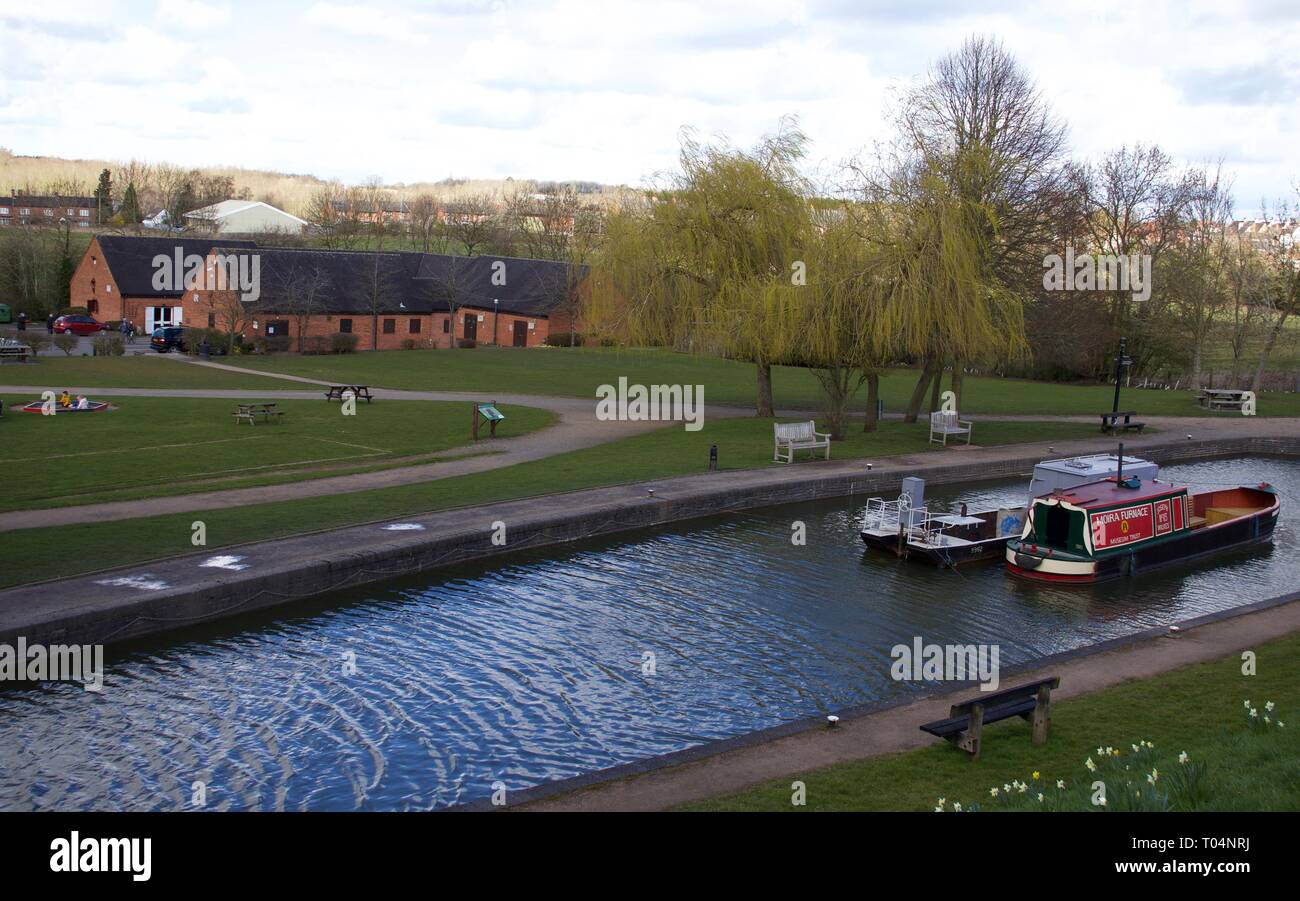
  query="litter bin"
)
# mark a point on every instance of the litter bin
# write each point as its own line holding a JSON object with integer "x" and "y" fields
{"x": 5, "y": 314}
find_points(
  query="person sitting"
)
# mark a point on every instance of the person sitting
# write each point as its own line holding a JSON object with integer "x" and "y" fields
{"x": 83, "y": 403}
{"x": 65, "y": 399}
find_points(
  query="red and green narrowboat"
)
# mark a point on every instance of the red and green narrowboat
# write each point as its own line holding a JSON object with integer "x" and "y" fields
{"x": 1101, "y": 530}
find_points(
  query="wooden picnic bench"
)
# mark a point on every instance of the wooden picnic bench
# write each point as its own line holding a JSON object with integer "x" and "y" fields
{"x": 965, "y": 724}
{"x": 1110, "y": 422}
{"x": 1222, "y": 398}
{"x": 793, "y": 436}
{"x": 249, "y": 413}
{"x": 947, "y": 422}
{"x": 361, "y": 392}
{"x": 12, "y": 351}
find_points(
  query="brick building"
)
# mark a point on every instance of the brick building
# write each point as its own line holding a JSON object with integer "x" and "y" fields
{"x": 383, "y": 298}
{"x": 47, "y": 209}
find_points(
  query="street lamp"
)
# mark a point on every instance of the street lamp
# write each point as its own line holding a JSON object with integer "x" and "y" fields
{"x": 1122, "y": 362}
{"x": 495, "y": 314}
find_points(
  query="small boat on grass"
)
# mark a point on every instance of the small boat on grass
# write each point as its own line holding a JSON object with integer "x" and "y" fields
{"x": 908, "y": 528}
{"x": 1123, "y": 526}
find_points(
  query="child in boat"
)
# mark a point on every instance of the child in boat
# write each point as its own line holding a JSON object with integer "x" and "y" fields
{"x": 65, "y": 399}
{"x": 83, "y": 403}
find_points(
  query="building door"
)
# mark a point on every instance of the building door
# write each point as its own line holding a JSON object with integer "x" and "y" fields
{"x": 471, "y": 326}
{"x": 521, "y": 333}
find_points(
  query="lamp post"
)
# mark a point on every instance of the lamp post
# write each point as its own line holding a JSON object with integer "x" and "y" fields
{"x": 1122, "y": 362}
{"x": 495, "y": 315}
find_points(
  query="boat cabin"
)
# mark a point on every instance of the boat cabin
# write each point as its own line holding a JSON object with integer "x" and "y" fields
{"x": 1100, "y": 516}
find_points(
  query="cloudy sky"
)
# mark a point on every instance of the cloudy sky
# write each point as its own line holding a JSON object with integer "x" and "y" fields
{"x": 598, "y": 90}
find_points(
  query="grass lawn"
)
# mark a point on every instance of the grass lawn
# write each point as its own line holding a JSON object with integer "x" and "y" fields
{"x": 152, "y": 371}
{"x": 150, "y": 447}
{"x": 742, "y": 443}
{"x": 1197, "y": 709}
{"x": 578, "y": 371}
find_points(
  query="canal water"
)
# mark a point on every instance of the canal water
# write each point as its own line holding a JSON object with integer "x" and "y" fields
{"x": 427, "y": 692}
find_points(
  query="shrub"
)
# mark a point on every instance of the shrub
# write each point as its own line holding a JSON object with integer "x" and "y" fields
{"x": 410, "y": 344}
{"x": 343, "y": 342}
{"x": 316, "y": 344}
{"x": 271, "y": 344}
{"x": 608, "y": 342}
{"x": 37, "y": 341}
{"x": 73, "y": 311}
{"x": 66, "y": 343}
{"x": 563, "y": 339}
{"x": 109, "y": 345}
{"x": 467, "y": 343}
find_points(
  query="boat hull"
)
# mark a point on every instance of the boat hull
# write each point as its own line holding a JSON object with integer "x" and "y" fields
{"x": 1198, "y": 544}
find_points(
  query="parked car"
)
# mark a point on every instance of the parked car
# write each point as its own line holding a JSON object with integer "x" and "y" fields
{"x": 78, "y": 325}
{"x": 169, "y": 337}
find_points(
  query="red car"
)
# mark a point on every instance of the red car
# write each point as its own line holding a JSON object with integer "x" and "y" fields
{"x": 78, "y": 325}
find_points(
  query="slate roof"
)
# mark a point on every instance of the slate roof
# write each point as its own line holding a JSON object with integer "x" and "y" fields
{"x": 130, "y": 259}
{"x": 346, "y": 281}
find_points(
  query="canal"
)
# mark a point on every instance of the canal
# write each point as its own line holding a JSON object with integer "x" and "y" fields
{"x": 546, "y": 664}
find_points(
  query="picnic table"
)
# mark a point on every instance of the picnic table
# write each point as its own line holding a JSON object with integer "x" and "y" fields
{"x": 1222, "y": 398}
{"x": 1110, "y": 422}
{"x": 336, "y": 392}
{"x": 14, "y": 351}
{"x": 249, "y": 413}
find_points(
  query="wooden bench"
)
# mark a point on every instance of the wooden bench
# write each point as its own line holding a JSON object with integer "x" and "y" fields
{"x": 361, "y": 392}
{"x": 946, "y": 422}
{"x": 14, "y": 351}
{"x": 1110, "y": 422}
{"x": 793, "y": 436}
{"x": 964, "y": 726}
{"x": 250, "y": 412}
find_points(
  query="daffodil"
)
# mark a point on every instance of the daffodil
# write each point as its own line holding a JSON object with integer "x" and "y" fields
{"x": 1247, "y": 703}
{"x": 1092, "y": 767}
{"x": 1060, "y": 783}
{"x": 1254, "y": 714}
{"x": 993, "y": 792}
{"x": 1269, "y": 706}
{"x": 1035, "y": 775}
{"x": 1183, "y": 758}
{"x": 956, "y": 805}
{"x": 1040, "y": 797}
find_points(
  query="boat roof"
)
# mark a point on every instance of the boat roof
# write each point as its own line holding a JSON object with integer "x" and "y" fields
{"x": 1108, "y": 492}
{"x": 1100, "y": 465}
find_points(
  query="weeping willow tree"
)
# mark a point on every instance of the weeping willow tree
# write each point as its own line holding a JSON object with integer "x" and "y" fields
{"x": 706, "y": 265}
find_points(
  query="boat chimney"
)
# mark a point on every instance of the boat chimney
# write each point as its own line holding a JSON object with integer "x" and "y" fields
{"x": 1119, "y": 473}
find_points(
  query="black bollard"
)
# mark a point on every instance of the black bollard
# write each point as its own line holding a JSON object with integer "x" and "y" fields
{"x": 713, "y": 457}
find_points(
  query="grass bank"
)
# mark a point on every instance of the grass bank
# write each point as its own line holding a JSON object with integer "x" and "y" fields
{"x": 1234, "y": 761}
{"x": 154, "y": 447}
{"x": 743, "y": 443}
{"x": 578, "y": 371}
{"x": 148, "y": 371}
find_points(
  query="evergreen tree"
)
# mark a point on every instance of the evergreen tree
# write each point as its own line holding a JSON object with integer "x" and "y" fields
{"x": 131, "y": 206}
{"x": 104, "y": 198}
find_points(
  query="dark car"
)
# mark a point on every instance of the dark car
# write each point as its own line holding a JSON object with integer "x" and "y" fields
{"x": 168, "y": 337}
{"x": 78, "y": 325}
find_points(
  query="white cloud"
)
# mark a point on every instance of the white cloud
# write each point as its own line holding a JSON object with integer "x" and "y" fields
{"x": 563, "y": 89}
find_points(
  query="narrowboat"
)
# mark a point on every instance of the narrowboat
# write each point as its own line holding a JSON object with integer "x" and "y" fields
{"x": 1125, "y": 526}
{"x": 908, "y": 528}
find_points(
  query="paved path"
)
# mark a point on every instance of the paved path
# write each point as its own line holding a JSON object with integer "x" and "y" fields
{"x": 895, "y": 729}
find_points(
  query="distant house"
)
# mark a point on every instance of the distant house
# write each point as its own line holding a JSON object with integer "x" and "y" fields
{"x": 379, "y": 211}
{"x": 244, "y": 217}
{"x": 157, "y": 219}
{"x": 384, "y": 298}
{"x": 47, "y": 209}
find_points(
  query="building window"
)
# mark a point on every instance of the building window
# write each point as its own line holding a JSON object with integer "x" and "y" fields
{"x": 92, "y": 286}
{"x": 49, "y": 213}
{"x": 390, "y": 326}
{"x": 72, "y": 211}
{"x": 212, "y": 320}
{"x": 345, "y": 326}
{"x": 92, "y": 306}
{"x": 85, "y": 214}
{"x": 4, "y": 211}
{"x": 446, "y": 326}
{"x": 415, "y": 326}
{"x": 25, "y": 211}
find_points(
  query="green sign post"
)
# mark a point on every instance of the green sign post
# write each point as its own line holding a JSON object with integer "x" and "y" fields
{"x": 487, "y": 413}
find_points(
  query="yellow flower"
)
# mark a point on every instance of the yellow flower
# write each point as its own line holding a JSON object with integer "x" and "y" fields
{"x": 1035, "y": 775}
